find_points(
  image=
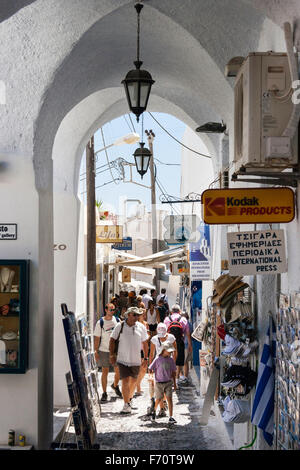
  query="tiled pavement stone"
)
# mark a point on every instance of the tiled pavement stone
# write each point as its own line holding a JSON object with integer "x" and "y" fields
{"x": 136, "y": 431}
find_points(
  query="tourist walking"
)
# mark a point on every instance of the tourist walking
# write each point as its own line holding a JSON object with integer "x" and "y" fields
{"x": 178, "y": 326}
{"x": 188, "y": 354}
{"x": 145, "y": 297}
{"x": 144, "y": 364}
{"x": 164, "y": 369}
{"x": 102, "y": 332}
{"x": 163, "y": 296}
{"x": 161, "y": 337}
{"x": 152, "y": 317}
{"x": 130, "y": 336}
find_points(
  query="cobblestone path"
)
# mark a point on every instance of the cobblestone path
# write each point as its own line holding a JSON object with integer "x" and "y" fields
{"x": 136, "y": 431}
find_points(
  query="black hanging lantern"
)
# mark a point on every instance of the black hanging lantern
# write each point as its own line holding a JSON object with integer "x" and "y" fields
{"x": 142, "y": 159}
{"x": 137, "y": 82}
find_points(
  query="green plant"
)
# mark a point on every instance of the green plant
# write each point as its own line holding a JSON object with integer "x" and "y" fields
{"x": 98, "y": 204}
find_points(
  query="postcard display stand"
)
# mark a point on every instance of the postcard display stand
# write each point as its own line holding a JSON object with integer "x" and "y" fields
{"x": 287, "y": 384}
{"x": 83, "y": 389}
{"x": 14, "y": 294}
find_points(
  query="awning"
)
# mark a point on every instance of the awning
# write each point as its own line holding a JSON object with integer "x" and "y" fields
{"x": 155, "y": 260}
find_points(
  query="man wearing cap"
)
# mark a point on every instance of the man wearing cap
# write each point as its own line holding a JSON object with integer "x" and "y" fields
{"x": 131, "y": 337}
{"x": 175, "y": 316}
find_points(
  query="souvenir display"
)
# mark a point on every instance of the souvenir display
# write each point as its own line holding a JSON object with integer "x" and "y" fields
{"x": 238, "y": 339}
{"x": 83, "y": 387}
{"x": 287, "y": 382}
{"x": 14, "y": 316}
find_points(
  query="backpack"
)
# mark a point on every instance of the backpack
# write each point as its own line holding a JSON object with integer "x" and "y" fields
{"x": 176, "y": 329}
{"x": 102, "y": 322}
{"x": 102, "y": 325}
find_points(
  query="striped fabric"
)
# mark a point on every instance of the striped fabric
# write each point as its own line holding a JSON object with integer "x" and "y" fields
{"x": 263, "y": 406}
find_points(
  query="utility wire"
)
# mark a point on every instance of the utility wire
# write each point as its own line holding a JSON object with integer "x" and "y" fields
{"x": 131, "y": 123}
{"x": 108, "y": 162}
{"x": 168, "y": 164}
{"x": 178, "y": 141}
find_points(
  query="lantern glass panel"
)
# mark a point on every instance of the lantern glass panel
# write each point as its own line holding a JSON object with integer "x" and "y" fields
{"x": 139, "y": 162}
{"x": 133, "y": 91}
{"x": 145, "y": 91}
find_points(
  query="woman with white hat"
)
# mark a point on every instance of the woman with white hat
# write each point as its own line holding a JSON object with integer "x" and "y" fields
{"x": 155, "y": 345}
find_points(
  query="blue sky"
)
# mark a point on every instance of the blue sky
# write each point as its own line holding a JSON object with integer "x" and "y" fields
{"x": 165, "y": 149}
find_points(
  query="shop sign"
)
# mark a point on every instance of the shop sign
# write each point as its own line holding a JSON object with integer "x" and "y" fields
{"x": 126, "y": 244}
{"x": 126, "y": 275}
{"x": 181, "y": 229}
{"x": 248, "y": 206}
{"x": 200, "y": 256}
{"x": 8, "y": 231}
{"x": 258, "y": 252}
{"x": 180, "y": 268}
{"x": 109, "y": 233}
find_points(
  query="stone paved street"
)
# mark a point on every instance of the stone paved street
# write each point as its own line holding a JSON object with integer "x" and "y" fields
{"x": 135, "y": 431}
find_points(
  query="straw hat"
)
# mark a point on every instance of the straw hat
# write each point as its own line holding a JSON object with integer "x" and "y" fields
{"x": 223, "y": 285}
{"x": 238, "y": 287}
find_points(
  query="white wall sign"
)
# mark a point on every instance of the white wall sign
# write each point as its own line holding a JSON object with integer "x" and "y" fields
{"x": 200, "y": 255}
{"x": 8, "y": 231}
{"x": 260, "y": 252}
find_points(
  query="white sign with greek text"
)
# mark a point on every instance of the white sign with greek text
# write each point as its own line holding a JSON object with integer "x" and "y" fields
{"x": 259, "y": 252}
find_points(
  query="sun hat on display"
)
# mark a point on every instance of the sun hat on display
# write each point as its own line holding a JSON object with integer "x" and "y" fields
{"x": 223, "y": 285}
{"x": 9, "y": 335}
{"x": 231, "y": 293}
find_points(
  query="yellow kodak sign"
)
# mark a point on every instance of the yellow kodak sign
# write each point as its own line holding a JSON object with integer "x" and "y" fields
{"x": 248, "y": 206}
{"x": 109, "y": 233}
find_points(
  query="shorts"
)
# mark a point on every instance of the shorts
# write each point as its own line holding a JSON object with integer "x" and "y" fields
{"x": 126, "y": 371}
{"x": 103, "y": 359}
{"x": 188, "y": 355}
{"x": 180, "y": 353}
{"x": 153, "y": 327}
{"x": 162, "y": 388}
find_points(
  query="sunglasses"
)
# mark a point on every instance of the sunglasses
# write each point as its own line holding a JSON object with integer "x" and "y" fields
{"x": 135, "y": 314}
{"x": 111, "y": 309}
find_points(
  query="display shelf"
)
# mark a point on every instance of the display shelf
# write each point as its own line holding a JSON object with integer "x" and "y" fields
{"x": 14, "y": 353}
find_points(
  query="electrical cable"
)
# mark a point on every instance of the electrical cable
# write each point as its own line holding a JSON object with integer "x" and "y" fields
{"x": 168, "y": 164}
{"x": 251, "y": 443}
{"x": 132, "y": 123}
{"x": 124, "y": 116}
{"x": 178, "y": 141}
{"x": 107, "y": 156}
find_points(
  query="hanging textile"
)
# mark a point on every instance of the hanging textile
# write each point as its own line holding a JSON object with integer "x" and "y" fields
{"x": 263, "y": 406}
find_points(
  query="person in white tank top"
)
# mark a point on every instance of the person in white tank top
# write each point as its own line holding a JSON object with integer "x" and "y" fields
{"x": 152, "y": 318}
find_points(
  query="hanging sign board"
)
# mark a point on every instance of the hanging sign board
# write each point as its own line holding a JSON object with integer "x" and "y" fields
{"x": 180, "y": 268}
{"x": 109, "y": 233}
{"x": 126, "y": 244}
{"x": 259, "y": 252}
{"x": 181, "y": 229}
{"x": 126, "y": 275}
{"x": 248, "y": 206}
{"x": 200, "y": 256}
{"x": 8, "y": 231}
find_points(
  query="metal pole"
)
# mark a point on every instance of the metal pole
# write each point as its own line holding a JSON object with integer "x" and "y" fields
{"x": 155, "y": 242}
{"x": 91, "y": 236}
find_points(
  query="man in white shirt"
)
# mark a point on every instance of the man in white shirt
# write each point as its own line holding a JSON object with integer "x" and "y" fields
{"x": 162, "y": 295}
{"x": 131, "y": 337}
{"x": 102, "y": 332}
{"x": 146, "y": 297}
